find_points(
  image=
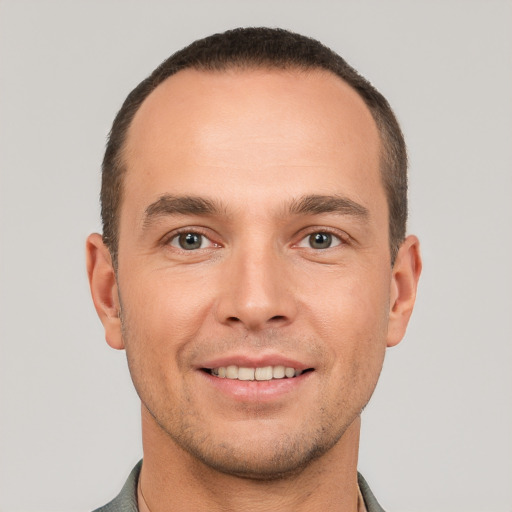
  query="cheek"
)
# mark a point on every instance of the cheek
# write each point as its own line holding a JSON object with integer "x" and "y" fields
{"x": 165, "y": 300}
{"x": 355, "y": 334}
{"x": 162, "y": 314}
{"x": 160, "y": 319}
{"x": 351, "y": 315}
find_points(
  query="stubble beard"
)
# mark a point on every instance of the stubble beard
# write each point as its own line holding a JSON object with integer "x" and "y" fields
{"x": 279, "y": 456}
{"x": 276, "y": 456}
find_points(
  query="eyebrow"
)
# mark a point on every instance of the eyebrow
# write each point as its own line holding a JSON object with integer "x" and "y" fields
{"x": 306, "y": 205}
{"x": 180, "y": 205}
{"x": 318, "y": 204}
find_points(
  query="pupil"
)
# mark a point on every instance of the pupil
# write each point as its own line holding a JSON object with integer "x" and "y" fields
{"x": 321, "y": 240}
{"x": 190, "y": 241}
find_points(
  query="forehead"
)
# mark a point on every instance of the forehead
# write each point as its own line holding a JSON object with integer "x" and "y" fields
{"x": 252, "y": 128}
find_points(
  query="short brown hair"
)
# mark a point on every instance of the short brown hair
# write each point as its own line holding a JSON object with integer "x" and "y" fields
{"x": 249, "y": 48}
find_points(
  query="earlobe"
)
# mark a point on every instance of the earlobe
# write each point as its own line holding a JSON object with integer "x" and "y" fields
{"x": 103, "y": 284}
{"x": 404, "y": 282}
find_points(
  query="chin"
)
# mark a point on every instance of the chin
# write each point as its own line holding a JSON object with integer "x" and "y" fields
{"x": 264, "y": 467}
{"x": 262, "y": 458}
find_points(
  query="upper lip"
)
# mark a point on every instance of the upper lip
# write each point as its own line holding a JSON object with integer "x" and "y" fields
{"x": 254, "y": 361}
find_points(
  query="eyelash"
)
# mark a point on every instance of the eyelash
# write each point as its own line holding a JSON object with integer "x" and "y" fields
{"x": 342, "y": 239}
{"x": 330, "y": 240}
{"x": 167, "y": 240}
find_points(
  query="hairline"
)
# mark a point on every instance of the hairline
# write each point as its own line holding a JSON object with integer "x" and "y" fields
{"x": 385, "y": 144}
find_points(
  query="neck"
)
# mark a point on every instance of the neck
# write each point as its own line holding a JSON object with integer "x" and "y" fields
{"x": 172, "y": 479}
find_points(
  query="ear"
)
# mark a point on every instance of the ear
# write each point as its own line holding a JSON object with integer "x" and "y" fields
{"x": 102, "y": 280}
{"x": 404, "y": 282}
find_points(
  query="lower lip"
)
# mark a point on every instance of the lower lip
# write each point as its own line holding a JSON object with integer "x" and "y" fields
{"x": 256, "y": 390}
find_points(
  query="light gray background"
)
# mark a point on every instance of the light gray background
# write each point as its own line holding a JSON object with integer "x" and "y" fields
{"x": 437, "y": 434}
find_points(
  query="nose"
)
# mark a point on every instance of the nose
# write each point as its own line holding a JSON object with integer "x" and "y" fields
{"x": 256, "y": 291}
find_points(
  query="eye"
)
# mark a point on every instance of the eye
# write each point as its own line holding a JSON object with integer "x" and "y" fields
{"x": 190, "y": 241}
{"x": 320, "y": 240}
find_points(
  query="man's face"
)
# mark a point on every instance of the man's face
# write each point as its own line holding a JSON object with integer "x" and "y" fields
{"x": 254, "y": 234}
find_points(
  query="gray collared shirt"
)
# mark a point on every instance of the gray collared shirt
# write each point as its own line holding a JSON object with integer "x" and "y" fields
{"x": 126, "y": 500}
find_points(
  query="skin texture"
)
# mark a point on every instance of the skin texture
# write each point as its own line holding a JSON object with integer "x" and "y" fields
{"x": 251, "y": 145}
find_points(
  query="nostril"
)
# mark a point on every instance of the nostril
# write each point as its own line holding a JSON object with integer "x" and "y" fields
{"x": 257, "y": 322}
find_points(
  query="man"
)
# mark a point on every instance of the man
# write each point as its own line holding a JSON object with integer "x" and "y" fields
{"x": 254, "y": 266}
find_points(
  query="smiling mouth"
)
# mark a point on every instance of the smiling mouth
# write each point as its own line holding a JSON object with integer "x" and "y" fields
{"x": 234, "y": 372}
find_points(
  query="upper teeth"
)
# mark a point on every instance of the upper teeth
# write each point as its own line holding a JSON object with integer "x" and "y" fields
{"x": 262, "y": 373}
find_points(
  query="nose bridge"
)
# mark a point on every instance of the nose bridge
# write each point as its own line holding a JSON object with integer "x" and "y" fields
{"x": 256, "y": 290}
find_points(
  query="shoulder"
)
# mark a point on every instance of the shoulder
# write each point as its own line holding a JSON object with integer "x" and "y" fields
{"x": 126, "y": 500}
{"x": 370, "y": 501}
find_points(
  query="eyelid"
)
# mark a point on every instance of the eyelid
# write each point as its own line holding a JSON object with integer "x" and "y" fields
{"x": 341, "y": 236}
{"x": 197, "y": 230}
